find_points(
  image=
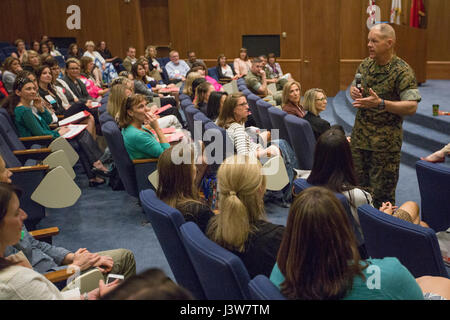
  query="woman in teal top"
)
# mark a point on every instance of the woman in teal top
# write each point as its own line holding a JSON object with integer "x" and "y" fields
{"x": 136, "y": 122}
{"x": 36, "y": 123}
{"x": 318, "y": 257}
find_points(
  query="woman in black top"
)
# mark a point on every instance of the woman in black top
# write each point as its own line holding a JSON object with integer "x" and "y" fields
{"x": 177, "y": 185}
{"x": 315, "y": 101}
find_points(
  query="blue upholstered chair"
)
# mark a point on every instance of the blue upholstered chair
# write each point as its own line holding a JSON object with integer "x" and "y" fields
{"x": 261, "y": 288}
{"x": 61, "y": 61}
{"x": 246, "y": 92}
{"x": 212, "y": 72}
{"x": 166, "y": 222}
{"x": 201, "y": 117}
{"x": 185, "y": 103}
{"x": 276, "y": 117}
{"x": 263, "y": 109}
{"x": 105, "y": 117}
{"x": 302, "y": 140}
{"x": 434, "y": 186}
{"x": 189, "y": 112}
{"x": 416, "y": 247}
{"x": 184, "y": 97}
{"x": 222, "y": 274}
{"x": 8, "y": 50}
{"x": 241, "y": 81}
{"x": 134, "y": 174}
{"x": 252, "y": 99}
{"x": 219, "y": 136}
{"x": 302, "y": 184}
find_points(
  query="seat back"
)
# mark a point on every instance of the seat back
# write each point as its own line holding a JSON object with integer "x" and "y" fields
{"x": 222, "y": 274}
{"x": 263, "y": 108}
{"x": 246, "y": 92}
{"x": 416, "y": 247}
{"x": 212, "y": 72}
{"x": 61, "y": 61}
{"x": 105, "y": 117}
{"x": 5, "y": 114}
{"x": 223, "y": 146}
{"x": 121, "y": 158}
{"x": 434, "y": 189}
{"x": 165, "y": 75}
{"x": 185, "y": 103}
{"x": 251, "y": 99}
{"x": 189, "y": 113}
{"x": 276, "y": 117}
{"x": 9, "y": 134}
{"x": 8, "y": 156}
{"x": 184, "y": 96}
{"x": 261, "y": 288}
{"x": 241, "y": 81}
{"x": 302, "y": 140}
{"x": 166, "y": 222}
{"x": 203, "y": 119}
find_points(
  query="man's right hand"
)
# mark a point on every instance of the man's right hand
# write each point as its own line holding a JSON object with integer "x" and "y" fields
{"x": 355, "y": 93}
{"x": 84, "y": 259}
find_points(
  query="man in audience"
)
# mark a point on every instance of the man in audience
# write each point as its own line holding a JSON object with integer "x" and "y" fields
{"x": 130, "y": 59}
{"x": 176, "y": 68}
{"x": 279, "y": 82}
{"x": 256, "y": 81}
{"x": 192, "y": 58}
{"x": 389, "y": 92}
{"x": 44, "y": 257}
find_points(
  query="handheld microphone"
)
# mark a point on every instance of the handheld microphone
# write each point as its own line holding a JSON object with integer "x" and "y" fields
{"x": 358, "y": 78}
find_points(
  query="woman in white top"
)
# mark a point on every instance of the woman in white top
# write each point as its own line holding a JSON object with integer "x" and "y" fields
{"x": 223, "y": 69}
{"x": 18, "y": 281}
{"x": 108, "y": 71}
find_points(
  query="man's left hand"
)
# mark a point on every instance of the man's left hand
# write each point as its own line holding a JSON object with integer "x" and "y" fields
{"x": 371, "y": 101}
{"x": 105, "y": 264}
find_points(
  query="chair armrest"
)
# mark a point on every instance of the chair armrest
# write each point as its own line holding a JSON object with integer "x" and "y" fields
{"x": 60, "y": 275}
{"x": 39, "y": 167}
{"x": 53, "y": 126}
{"x": 225, "y": 80}
{"x": 60, "y": 116}
{"x": 42, "y": 140}
{"x": 44, "y": 233}
{"x": 36, "y": 154}
{"x": 141, "y": 161}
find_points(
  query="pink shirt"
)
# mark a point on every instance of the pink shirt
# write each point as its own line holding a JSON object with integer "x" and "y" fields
{"x": 241, "y": 67}
{"x": 217, "y": 86}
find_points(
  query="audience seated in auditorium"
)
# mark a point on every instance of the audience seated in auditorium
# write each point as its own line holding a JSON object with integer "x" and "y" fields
{"x": 11, "y": 67}
{"x": 273, "y": 68}
{"x": 438, "y": 156}
{"x": 140, "y": 81}
{"x": 43, "y": 48}
{"x": 72, "y": 79}
{"x": 52, "y": 49}
{"x": 21, "y": 52}
{"x": 176, "y": 68}
{"x": 18, "y": 280}
{"x": 45, "y": 257}
{"x": 256, "y": 81}
{"x": 232, "y": 118}
{"x": 314, "y": 102}
{"x": 241, "y": 226}
{"x": 242, "y": 64}
{"x": 292, "y": 92}
{"x": 215, "y": 104}
{"x": 223, "y": 68}
{"x": 107, "y": 69}
{"x": 35, "y": 45}
{"x": 30, "y": 124}
{"x": 333, "y": 168}
{"x": 74, "y": 52}
{"x": 93, "y": 84}
{"x": 130, "y": 59}
{"x": 201, "y": 68}
{"x": 136, "y": 123}
{"x": 190, "y": 78}
{"x": 192, "y": 58}
{"x": 177, "y": 185}
{"x": 107, "y": 55}
{"x": 317, "y": 219}
{"x": 154, "y": 66}
{"x": 202, "y": 94}
{"x": 32, "y": 61}
{"x": 152, "y": 284}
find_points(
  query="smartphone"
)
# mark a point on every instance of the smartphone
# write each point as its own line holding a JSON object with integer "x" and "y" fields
{"x": 113, "y": 277}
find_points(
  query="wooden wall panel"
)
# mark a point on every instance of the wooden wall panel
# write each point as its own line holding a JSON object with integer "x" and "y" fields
{"x": 155, "y": 22}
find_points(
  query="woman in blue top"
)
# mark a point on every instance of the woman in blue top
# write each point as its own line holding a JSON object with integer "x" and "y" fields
{"x": 136, "y": 123}
{"x": 318, "y": 257}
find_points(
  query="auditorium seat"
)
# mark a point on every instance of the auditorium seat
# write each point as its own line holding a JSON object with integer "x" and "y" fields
{"x": 251, "y": 99}
{"x": 276, "y": 117}
{"x": 263, "y": 109}
{"x": 212, "y": 72}
{"x": 189, "y": 112}
{"x": 261, "y": 288}
{"x": 302, "y": 140}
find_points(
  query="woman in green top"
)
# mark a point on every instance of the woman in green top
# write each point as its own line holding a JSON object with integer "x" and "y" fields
{"x": 136, "y": 122}
{"x": 318, "y": 257}
{"x": 36, "y": 122}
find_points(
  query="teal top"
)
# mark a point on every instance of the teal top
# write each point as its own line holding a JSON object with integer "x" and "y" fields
{"x": 142, "y": 144}
{"x": 385, "y": 279}
{"x": 29, "y": 125}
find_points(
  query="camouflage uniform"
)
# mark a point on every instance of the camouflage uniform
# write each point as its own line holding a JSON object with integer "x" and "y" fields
{"x": 254, "y": 82}
{"x": 377, "y": 134}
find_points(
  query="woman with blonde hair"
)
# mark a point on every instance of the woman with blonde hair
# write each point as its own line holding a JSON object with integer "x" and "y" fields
{"x": 32, "y": 61}
{"x": 241, "y": 226}
{"x": 290, "y": 99}
{"x": 315, "y": 101}
{"x": 187, "y": 90}
{"x": 178, "y": 183}
{"x": 154, "y": 66}
{"x": 117, "y": 97}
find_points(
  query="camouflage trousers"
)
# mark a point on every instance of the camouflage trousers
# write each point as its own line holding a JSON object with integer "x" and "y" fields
{"x": 378, "y": 172}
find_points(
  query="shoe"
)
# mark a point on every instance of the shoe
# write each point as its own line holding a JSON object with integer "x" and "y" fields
{"x": 96, "y": 183}
{"x": 101, "y": 173}
{"x": 433, "y": 161}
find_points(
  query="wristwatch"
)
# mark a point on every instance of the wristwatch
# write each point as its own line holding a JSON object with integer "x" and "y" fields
{"x": 381, "y": 106}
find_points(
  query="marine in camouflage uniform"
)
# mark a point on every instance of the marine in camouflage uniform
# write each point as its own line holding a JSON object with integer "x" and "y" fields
{"x": 254, "y": 82}
{"x": 377, "y": 134}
